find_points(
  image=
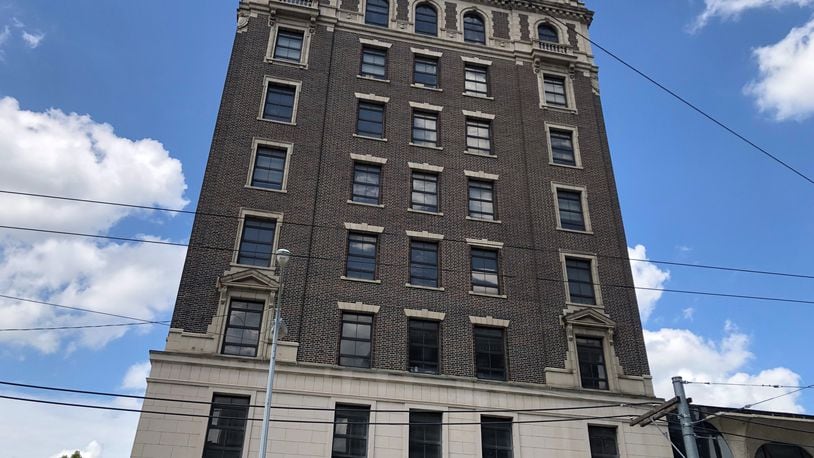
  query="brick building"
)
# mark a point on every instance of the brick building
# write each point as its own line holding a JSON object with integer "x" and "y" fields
{"x": 441, "y": 173}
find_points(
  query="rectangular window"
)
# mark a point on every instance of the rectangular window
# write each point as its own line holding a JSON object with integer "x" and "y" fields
{"x": 355, "y": 343}
{"x": 482, "y": 200}
{"x": 424, "y": 346}
{"x": 570, "y": 206}
{"x": 243, "y": 328}
{"x": 490, "y": 353}
{"x": 424, "y": 194}
{"x": 226, "y": 427}
{"x": 256, "y": 242}
{"x": 269, "y": 167}
{"x": 475, "y": 80}
{"x": 478, "y": 136}
{"x": 362, "y": 256}
{"x": 425, "y": 128}
{"x": 370, "y": 120}
{"x": 289, "y": 45}
{"x": 425, "y": 71}
{"x": 580, "y": 281}
{"x": 425, "y": 434}
{"x": 603, "y": 441}
{"x": 555, "y": 91}
{"x": 562, "y": 147}
{"x": 367, "y": 183}
{"x": 424, "y": 263}
{"x": 592, "y": 363}
{"x": 485, "y": 277}
{"x": 279, "y": 102}
{"x": 496, "y": 437}
{"x": 374, "y": 62}
{"x": 350, "y": 431}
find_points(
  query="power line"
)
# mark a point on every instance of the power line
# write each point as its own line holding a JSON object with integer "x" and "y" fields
{"x": 84, "y": 326}
{"x": 81, "y": 309}
{"x": 742, "y": 384}
{"x": 768, "y": 425}
{"x": 749, "y": 406}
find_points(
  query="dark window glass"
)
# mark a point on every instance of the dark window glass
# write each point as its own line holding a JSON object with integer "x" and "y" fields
{"x": 226, "y": 427}
{"x": 562, "y": 147}
{"x": 474, "y": 28}
{"x": 475, "y": 80}
{"x": 367, "y": 183}
{"x": 580, "y": 281}
{"x": 426, "y": 20}
{"x": 243, "y": 328}
{"x": 478, "y": 136}
{"x": 490, "y": 354}
{"x": 354, "y": 346}
{"x": 377, "y": 12}
{"x": 269, "y": 168}
{"x": 485, "y": 277}
{"x": 548, "y": 33}
{"x": 425, "y": 128}
{"x": 496, "y": 437}
{"x": 592, "y": 363}
{"x": 256, "y": 242}
{"x": 424, "y": 263}
{"x": 350, "y": 431}
{"x": 361, "y": 256}
{"x": 424, "y": 194}
{"x": 570, "y": 203}
{"x": 482, "y": 199}
{"x": 425, "y": 71}
{"x": 603, "y": 441}
{"x": 555, "y": 91}
{"x": 370, "y": 120}
{"x": 424, "y": 354}
{"x": 374, "y": 62}
{"x": 425, "y": 434}
{"x": 279, "y": 102}
{"x": 289, "y": 45}
{"x": 775, "y": 450}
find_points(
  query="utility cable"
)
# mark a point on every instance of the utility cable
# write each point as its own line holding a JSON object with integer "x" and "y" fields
{"x": 688, "y": 382}
{"x": 84, "y": 326}
{"x": 81, "y": 309}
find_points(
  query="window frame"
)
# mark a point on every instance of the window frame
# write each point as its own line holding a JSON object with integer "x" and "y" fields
{"x": 424, "y": 265}
{"x": 227, "y": 325}
{"x": 366, "y": 17}
{"x": 502, "y": 339}
{"x": 552, "y": 27}
{"x": 348, "y": 410}
{"x": 476, "y": 68}
{"x": 594, "y": 428}
{"x": 257, "y": 214}
{"x": 427, "y": 115}
{"x": 591, "y": 260}
{"x": 416, "y": 21}
{"x": 281, "y": 30}
{"x": 225, "y": 425}
{"x": 375, "y": 257}
{"x": 257, "y": 144}
{"x": 371, "y": 103}
{"x": 493, "y": 185}
{"x": 342, "y": 338}
{"x": 431, "y": 419}
{"x": 490, "y": 135}
{"x": 574, "y": 131}
{"x": 379, "y": 170}
{"x": 568, "y": 85}
{"x": 497, "y": 272}
{"x": 427, "y": 59}
{"x": 589, "y": 379}
{"x": 307, "y": 32}
{"x": 374, "y": 50}
{"x": 417, "y": 367}
{"x": 473, "y": 12}
{"x": 583, "y": 199}
{"x": 437, "y": 194}
{"x": 506, "y": 423}
{"x": 269, "y": 80}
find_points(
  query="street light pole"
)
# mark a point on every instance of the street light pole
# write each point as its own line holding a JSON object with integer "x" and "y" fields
{"x": 685, "y": 419}
{"x": 283, "y": 256}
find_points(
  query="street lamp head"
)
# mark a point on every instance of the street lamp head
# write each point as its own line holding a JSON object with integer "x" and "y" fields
{"x": 283, "y": 256}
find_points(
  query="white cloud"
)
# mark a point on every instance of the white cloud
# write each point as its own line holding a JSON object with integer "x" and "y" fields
{"x": 783, "y": 87}
{"x": 92, "y": 450}
{"x": 32, "y": 39}
{"x": 646, "y": 275}
{"x": 136, "y": 377}
{"x": 732, "y": 9}
{"x": 688, "y": 313}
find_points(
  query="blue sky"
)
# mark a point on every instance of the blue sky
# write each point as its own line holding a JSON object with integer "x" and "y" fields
{"x": 689, "y": 191}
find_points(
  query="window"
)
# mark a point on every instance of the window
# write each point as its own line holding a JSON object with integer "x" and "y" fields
{"x": 425, "y": 71}
{"x": 289, "y": 45}
{"x": 570, "y": 208}
{"x": 279, "y": 102}
{"x": 478, "y": 136}
{"x": 562, "y": 147}
{"x": 485, "y": 278}
{"x": 370, "y": 120}
{"x": 374, "y": 62}
{"x": 555, "y": 91}
{"x": 424, "y": 195}
{"x": 354, "y": 346}
{"x": 591, "y": 357}
{"x": 603, "y": 441}
{"x": 256, "y": 242}
{"x": 377, "y": 12}
{"x": 426, "y": 20}
{"x": 424, "y": 263}
{"x": 482, "y": 200}
{"x": 776, "y": 450}
{"x": 350, "y": 431}
{"x": 361, "y": 256}
{"x": 243, "y": 328}
{"x": 580, "y": 281}
{"x": 269, "y": 167}
{"x": 367, "y": 183}
{"x": 226, "y": 427}
{"x": 490, "y": 354}
{"x": 547, "y": 33}
{"x": 474, "y": 28}
{"x": 425, "y": 434}
{"x": 475, "y": 80}
{"x": 496, "y": 437}
{"x": 425, "y": 128}
{"x": 424, "y": 346}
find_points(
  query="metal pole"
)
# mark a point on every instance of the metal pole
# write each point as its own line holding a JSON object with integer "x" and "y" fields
{"x": 687, "y": 432}
{"x": 264, "y": 432}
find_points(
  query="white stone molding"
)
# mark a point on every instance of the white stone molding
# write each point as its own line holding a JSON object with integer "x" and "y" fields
{"x": 476, "y": 60}
{"x": 364, "y": 227}
{"x": 481, "y": 175}
{"x": 374, "y": 42}
{"x": 426, "y": 106}
{"x": 357, "y": 307}
{"x": 426, "y": 52}
{"x": 425, "y": 314}
{"x": 368, "y": 158}
{"x": 484, "y": 243}
{"x": 425, "y": 167}
{"x": 371, "y": 97}
{"x": 424, "y": 235}
{"x": 478, "y": 114}
{"x": 488, "y": 321}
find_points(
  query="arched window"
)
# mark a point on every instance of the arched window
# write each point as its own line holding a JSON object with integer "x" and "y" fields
{"x": 474, "y": 28}
{"x": 426, "y": 19}
{"x": 710, "y": 442}
{"x": 775, "y": 450}
{"x": 377, "y": 12}
{"x": 547, "y": 32}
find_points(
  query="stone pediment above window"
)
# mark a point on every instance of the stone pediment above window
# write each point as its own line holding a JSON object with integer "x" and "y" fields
{"x": 588, "y": 318}
{"x": 247, "y": 279}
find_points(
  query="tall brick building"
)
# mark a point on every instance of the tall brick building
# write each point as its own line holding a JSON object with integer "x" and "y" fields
{"x": 441, "y": 173}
